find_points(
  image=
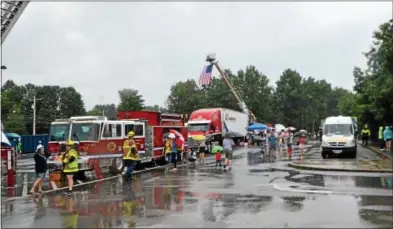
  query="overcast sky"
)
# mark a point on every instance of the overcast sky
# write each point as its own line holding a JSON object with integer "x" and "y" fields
{"x": 100, "y": 48}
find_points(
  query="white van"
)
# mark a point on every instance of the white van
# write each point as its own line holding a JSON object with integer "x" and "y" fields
{"x": 339, "y": 137}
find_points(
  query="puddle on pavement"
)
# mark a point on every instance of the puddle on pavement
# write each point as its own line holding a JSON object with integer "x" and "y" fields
{"x": 207, "y": 199}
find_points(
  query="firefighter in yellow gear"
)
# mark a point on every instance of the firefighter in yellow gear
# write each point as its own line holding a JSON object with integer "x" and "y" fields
{"x": 168, "y": 149}
{"x": 70, "y": 164}
{"x": 130, "y": 206}
{"x": 365, "y": 134}
{"x": 71, "y": 214}
{"x": 130, "y": 155}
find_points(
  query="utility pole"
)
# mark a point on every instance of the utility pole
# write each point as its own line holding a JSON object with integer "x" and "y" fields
{"x": 34, "y": 106}
{"x": 34, "y": 112}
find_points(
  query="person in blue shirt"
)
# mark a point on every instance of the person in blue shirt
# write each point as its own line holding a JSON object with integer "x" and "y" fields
{"x": 388, "y": 137}
{"x": 272, "y": 139}
{"x": 173, "y": 151}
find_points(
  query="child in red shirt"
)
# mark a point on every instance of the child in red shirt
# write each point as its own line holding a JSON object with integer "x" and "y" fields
{"x": 218, "y": 159}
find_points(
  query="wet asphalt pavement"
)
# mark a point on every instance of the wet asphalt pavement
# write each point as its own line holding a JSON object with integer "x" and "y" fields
{"x": 255, "y": 193}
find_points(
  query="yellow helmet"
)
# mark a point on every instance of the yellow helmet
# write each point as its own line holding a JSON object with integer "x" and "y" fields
{"x": 131, "y": 134}
{"x": 70, "y": 143}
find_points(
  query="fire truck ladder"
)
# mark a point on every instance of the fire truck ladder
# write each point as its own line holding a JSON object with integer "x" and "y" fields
{"x": 10, "y": 13}
{"x": 211, "y": 58}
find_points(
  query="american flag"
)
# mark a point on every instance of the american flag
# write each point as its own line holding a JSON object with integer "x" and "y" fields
{"x": 206, "y": 75}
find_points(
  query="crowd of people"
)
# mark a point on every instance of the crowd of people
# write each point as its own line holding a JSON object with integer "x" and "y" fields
{"x": 275, "y": 143}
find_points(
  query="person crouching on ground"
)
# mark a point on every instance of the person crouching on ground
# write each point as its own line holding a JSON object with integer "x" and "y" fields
{"x": 41, "y": 168}
{"x": 130, "y": 155}
{"x": 70, "y": 164}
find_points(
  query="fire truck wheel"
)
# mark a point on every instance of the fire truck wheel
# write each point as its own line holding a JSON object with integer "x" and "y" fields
{"x": 117, "y": 166}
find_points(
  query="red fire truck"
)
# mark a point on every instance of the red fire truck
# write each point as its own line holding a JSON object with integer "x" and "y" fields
{"x": 100, "y": 139}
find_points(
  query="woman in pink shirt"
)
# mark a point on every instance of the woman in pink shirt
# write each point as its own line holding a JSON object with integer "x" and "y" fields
{"x": 302, "y": 142}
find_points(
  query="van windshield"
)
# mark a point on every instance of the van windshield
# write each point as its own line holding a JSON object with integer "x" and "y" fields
{"x": 338, "y": 129}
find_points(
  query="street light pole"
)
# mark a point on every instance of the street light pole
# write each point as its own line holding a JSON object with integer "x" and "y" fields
{"x": 34, "y": 112}
{"x": 34, "y": 105}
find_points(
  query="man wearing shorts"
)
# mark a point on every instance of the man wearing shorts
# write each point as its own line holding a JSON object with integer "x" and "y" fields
{"x": 228, "y": 151}
{"x": 272, "y": 139}
{"x": 41, "y": 168}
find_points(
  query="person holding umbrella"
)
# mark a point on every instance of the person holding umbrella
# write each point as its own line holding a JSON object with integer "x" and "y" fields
{"x": 173, "y": 150}
{"x": 228, "y": 145}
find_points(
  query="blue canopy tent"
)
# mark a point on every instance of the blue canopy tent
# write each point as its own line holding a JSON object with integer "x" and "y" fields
{"x": 257, "y": 126}
{"x": 13, "y": 138}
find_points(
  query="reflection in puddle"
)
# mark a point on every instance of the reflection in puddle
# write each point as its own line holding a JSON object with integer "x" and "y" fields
{"x": 207, "y": 199}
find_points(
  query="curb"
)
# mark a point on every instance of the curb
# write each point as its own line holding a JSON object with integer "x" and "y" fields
{"x": 379, "y": 153}
{"x": 317, "y": 168}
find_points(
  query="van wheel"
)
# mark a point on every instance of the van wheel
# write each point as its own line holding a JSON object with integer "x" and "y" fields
{"x": 324, "y": 155}
{"x": 353, "y": 154}
{"x": 117, "y": 166}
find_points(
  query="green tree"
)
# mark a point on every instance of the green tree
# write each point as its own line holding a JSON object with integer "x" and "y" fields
{"x": 70, "y": 103}
{"x": 15, "y": 121}
{"x": 287, "y": 98}
{"x": 108, "y": 110}
{"x": 185, "y": 97}
{"x": 255, "y": 91}
{"x": 130, "y": 100}
{"x": 11, "y": 94}
{"x": 155, "y": 108}
{"x": 374, "y": 85}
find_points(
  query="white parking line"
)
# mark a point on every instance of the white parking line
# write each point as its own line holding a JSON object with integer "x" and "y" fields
{"x": 275, "y": 186}
{"x": 24, "y": 189}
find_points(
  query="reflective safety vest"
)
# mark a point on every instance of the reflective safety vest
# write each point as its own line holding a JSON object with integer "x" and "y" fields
{"x": 168, "y": 144}
{"x": 365, "y": 132}
{"x": 70, "y": 167}
{"x": 128, "y": 147}
{"x": 71, "y": 221}
{"x": 128, "y": 207}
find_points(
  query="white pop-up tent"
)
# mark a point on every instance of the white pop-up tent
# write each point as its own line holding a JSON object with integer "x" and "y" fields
{"x": 4, "y": 138}
{"x": 279, "y": 127}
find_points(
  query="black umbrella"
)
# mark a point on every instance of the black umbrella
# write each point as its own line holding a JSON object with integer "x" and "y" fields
{"x": 232, "y": 134}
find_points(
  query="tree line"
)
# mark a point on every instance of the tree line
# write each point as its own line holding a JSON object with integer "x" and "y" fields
{"x": 55, "y": 102}
{"x": 293, "y": 100}
{"x": 372, "y": 98}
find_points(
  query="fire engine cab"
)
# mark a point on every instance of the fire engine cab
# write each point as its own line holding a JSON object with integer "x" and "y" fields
{"x": 97, "y": 138}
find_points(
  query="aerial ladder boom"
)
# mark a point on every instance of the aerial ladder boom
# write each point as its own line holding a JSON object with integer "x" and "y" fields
{"x": 211, "y": 58}
{"x": 10, "y": 13}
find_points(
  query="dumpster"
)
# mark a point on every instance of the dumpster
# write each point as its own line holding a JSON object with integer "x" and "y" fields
{"x": 30, "y": 142}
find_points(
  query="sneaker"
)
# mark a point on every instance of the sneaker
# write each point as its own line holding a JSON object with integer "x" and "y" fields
{"x": 174, "y": 169}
